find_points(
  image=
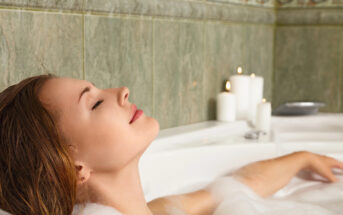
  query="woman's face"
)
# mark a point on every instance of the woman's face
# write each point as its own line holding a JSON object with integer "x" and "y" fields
{"x": 96, "y": 123}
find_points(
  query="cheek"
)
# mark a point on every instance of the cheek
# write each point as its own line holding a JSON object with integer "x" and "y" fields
{"x": 110, "y": 142}
{"x": 110, "y": 145}
{"x": 112, "y": 150}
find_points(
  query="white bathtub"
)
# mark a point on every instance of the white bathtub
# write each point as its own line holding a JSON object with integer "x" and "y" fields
{"x": 187, "y": 158}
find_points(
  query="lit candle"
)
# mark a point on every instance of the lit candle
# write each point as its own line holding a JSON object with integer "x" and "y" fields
{"x": 241, "y": 88}
{"x": 256, "y": 95}
{"x": 226, "y": 107}
{"x": 263, "y": 116}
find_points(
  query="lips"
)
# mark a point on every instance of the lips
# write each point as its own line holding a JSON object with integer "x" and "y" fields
{"x": 136, "y": 113}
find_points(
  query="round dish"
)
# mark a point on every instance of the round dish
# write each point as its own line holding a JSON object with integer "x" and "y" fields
{"x": 298, "y": 108}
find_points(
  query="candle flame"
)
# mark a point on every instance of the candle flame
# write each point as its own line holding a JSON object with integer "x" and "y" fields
{"x": 253, "y": 75}
{"x": 228, "y": 86}
{"x": 264, "y": 100}
{"x": 239, "y": 70}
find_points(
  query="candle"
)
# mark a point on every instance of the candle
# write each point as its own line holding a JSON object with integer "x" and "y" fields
{"x": 256, "y": 95}
{"x": 226, "y": 107}
{"x": 263, "y": 116}
{"x": 241, "y": 88}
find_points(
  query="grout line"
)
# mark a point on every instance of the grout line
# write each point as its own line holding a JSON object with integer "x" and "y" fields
{"x": 83, "y": 43}
{"x": 204, "y": 2}
{"x": 275, "y": 26}
{"x": 213, "y": 21}
{"x": 341, "y": 73}
{"x": 83, "y": 48}
{"x": 308, "y": 25}
{"x": 126, "y": 15}
{"x": 49, "y": 10}
{"x": 274, "y": 64}
{"x": 160, "y": 17}
{"x": 334, "y": 7}
{"x": 204, "y": 90}
{"x": 153, "y": 67}
{"x": 169, "y": 18}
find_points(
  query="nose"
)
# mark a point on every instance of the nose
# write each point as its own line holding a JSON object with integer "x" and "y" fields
{"x": 123, "y": 95}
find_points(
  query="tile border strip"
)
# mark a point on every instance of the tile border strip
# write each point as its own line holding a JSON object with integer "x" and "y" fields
{"x": 315, "y": 16}
{"x": 178, "y": 9}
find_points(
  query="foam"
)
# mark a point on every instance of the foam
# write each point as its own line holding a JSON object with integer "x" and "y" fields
{"x": 300, "y": 197}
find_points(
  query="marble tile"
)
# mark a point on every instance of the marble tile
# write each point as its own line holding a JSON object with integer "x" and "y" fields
{"x": 178, "y": 75}
{"x": 259, "y": 3}
{"x": 184, "y": 9}
{"x": 308, "y": 4}
{"x": 33, "y": 43}
{"x": 229, "y": 46}
{"x": 53, "y": 4}
{"x": 259, "y": 50}
{"x": 308, "y": 65}
{"x": 299, "y": 16}
{"x": 118, "y": 52}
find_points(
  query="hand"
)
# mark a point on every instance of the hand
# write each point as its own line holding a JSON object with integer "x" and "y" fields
{"x": 322, "y": 165}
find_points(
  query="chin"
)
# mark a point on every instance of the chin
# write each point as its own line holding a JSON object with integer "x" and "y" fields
{"x": 155, "y": 127}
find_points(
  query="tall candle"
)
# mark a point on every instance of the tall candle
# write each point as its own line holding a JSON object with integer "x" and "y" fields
{"x": 241, "y": 88}
{"x": 226, "y": 107}
{"x": 256, "y": 95}
{"x": 263, "y": 116}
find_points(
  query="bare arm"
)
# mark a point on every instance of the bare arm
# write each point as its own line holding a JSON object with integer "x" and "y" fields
{"x": 268, "y": 176}
{"x": 264, "y": 177}
{"x": 194, "y": 203}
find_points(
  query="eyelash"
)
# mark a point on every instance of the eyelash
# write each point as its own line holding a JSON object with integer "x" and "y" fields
{"x": 97, "y": 104}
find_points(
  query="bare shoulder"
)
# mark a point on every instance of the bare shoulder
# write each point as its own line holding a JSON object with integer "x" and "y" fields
{"x": 194, "y": 203}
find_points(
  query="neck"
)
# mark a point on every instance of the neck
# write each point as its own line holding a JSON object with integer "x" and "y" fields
{"x": 121, "y": 190}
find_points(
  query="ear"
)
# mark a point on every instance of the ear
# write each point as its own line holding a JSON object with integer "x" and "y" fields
{"x": 82, "y": 171}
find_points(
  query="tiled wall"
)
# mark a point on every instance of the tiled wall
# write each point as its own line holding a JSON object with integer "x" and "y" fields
{"x": 308, "y": 52}
{"x": 173, "y": 55}
{"x": 309, "y": 57}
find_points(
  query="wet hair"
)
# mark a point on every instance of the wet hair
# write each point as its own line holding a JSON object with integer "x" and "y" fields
{"x": 37, "y": 174}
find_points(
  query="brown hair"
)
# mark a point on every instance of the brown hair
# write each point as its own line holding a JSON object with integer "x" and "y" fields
{"x": 37, "y": 175}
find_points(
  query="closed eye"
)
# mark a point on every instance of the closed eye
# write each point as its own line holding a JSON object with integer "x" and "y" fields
{"x": 97, "y": 104}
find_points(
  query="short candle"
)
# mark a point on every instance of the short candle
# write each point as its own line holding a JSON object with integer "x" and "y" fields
{"x": 226, "y": 105}
{"x": 263, "y": 116}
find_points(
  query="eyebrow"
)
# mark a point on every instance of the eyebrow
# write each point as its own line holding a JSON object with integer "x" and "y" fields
{"x": 85, "y": 90}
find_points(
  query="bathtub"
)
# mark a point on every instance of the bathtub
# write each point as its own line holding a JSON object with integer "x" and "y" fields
{"x": 187, "y": 158}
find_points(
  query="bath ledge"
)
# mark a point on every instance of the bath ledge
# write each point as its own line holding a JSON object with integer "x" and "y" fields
{"x": 325, "y": 127}
{"x": 198, "y": 133}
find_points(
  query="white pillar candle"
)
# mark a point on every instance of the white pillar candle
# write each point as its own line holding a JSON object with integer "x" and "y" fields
{"x": 263, "y": 116}
{"x": 256, "y": 95}
{"x": 240, "y": 85}
{"x": 226, "y": 105}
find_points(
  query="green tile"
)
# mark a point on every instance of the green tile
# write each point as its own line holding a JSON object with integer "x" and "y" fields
{"x": 308, "y": 65}
{"x": 256, "y": 3}
{"x": 118, "y": 52}
{"x": 33, "y": 43}
{"x": 198, "y": 9}
{"x": 55, "y": 4}
{"x": 259, "y": 50}
{"x": 178, "y": 76}
{"x": 229, "y": 46}
{"x": 301, "y": 16}
{"x": 4, "y": 61}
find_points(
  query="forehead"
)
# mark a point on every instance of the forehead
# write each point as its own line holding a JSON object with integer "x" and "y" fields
{"x": 61, "y": 93}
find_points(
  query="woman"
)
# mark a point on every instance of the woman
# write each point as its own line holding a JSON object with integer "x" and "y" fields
{"x": 64, "y": 141}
